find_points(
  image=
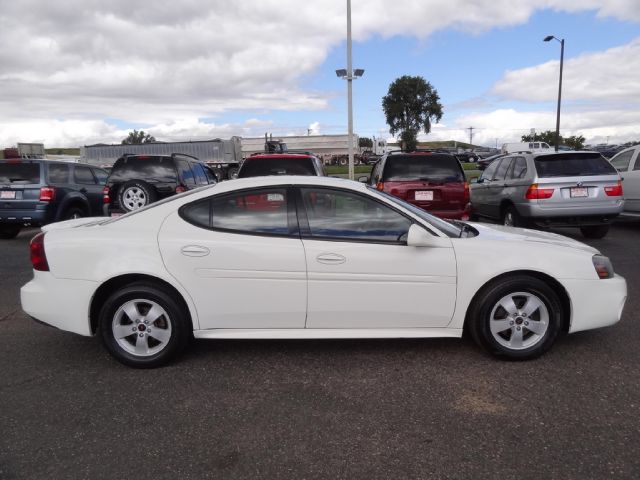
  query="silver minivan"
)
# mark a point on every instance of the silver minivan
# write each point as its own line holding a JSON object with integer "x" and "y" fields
{"x": 627, "y": 162}
{"x": 579, "y": 189}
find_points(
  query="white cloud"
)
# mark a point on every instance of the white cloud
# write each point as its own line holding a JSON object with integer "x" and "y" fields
{"x": 611, "y": 76}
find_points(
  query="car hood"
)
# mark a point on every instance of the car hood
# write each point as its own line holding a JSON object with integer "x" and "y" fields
{"x": 488, "y": 231}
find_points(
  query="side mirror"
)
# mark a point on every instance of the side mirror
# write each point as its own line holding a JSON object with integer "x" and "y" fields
{"x": 363, "y": 179}
{"x": 419, "y": 237}
{"x": 475, "y": 180}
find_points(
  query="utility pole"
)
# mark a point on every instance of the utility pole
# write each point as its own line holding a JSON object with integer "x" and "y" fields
{"x": 471, "y": 129}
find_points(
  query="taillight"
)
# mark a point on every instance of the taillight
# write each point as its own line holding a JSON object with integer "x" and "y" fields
{"x": 38, "y": 255}
{"x": 380, "y": 186}
{"x": 180, "y": 189}
{"x": 467, "y": 195}
{"x": 47, "y": 194}
{"x": 105, "y": 195}
{"x": 536, "y": 193}
{"x": 614, "y": 190}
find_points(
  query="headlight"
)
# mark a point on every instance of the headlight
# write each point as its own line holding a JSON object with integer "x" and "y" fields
{"x": 603, "y": 266}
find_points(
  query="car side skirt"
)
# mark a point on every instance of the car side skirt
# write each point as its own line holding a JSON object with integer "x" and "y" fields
{"x": 326, "y": 333}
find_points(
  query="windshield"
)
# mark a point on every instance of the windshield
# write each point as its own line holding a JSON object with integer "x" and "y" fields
{"x": 260, "y": 167}
{"x": 432, "y": 168}
{"x": 573, "y": 165}
{"x": 445, "y": 227}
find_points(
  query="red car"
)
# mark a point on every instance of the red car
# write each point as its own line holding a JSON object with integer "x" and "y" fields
{"x": 432, "y": 181}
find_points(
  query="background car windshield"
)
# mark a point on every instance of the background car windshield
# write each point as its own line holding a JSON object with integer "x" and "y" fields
{"x": 276, "y": 166}
{"x": 148, "y": 168}
{"x": 445, "y": 227}
{"x": 433, "y": 168}
{"x": 11, "y": 172}
{"x": 572, "y": 165}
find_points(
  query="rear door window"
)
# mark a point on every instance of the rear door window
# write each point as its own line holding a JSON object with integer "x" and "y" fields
{"x": 198, "y": 171}
{"x": 502, "y": 169}
{"x": 186, "y": 174}
{"x": 621, "y": 161}
{"x": 58, "y": 173}
{"x": 573, "y": 165}
{"x": 431, "y": 168}
{"x": 83, "y": 176}
{"x": 259, "y": 167}
{"x": 519, "y": 168}
{"x": 19, "y": 172}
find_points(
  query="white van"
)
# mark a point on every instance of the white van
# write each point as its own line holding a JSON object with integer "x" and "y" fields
{"x": 524, "y": 147}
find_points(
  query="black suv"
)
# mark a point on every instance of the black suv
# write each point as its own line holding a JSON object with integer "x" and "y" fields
{"x": 37, "y": 192}
{"x": 138, "y": 180}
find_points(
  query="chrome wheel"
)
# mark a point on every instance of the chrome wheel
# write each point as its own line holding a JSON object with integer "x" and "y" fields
{"x": 134, "y": 198}
{"x": 519, "y": 320}
{"x": 509, "y": 220}
{"x": 141, "y": 327}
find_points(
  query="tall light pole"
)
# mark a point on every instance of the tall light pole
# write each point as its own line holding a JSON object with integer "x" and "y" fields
{"x": 548, "y": 39}
{"x": 349, "y": 74}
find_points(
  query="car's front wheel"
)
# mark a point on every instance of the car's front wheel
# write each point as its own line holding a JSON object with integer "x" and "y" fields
{"x": 517, "y": 317}
{"x": 144, "y": 326}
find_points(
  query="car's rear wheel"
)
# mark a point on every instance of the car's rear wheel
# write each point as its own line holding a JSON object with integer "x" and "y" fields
{"x": 511, "y": 218}
{"x": 595, "y": 231}
{"x": 136, "y": 194}
{"x": 8, "y": 232}
{"x": 144, "y": 326}
{"x": 73, "y": 213}
{"x": 517, "y": 317}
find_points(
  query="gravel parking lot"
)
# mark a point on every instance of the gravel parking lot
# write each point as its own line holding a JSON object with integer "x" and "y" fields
{"x": 320, "y": 409}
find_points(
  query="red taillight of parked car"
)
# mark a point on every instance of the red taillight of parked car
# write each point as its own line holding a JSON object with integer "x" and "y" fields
{"x": 467, "y": 194}
{"x": 380, "y": 186}
{"x": 105, "y": 195}
{"x": 614, "y": 190}
{"x": 180, "y": 189}
{"x": 38, "y": 255}
{"x": 536, "y": 193}
{"x": 47, "y": 194}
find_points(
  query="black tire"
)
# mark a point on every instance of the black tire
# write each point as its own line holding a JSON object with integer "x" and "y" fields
{"x": 343, "y": 161}
{"x": 136, "y": 194}
{"x": 73, "y": 212}
{"x": 595, "y": 231}
{"x": 174, "y": 325}
{"x": 7, "y": 232}
{"x": 487, "y": 304}
{"x": 511, "y": 218}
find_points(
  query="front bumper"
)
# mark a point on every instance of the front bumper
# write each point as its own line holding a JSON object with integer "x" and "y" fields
{"x": 596, "y": 303}
{"x": 61, "y": 303}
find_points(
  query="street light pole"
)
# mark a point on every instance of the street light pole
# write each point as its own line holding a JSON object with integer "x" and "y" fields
{"x": 547, "y": 39}
{"x": 350, "y": 92}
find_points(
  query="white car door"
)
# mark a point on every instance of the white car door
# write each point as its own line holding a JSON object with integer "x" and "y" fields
{"x": 240, "y": 257}
{"x": 361, "y": 272}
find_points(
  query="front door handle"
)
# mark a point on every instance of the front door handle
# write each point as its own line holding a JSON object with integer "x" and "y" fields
{"x": 331, "y": 258}
{"x": 195, "y": 251}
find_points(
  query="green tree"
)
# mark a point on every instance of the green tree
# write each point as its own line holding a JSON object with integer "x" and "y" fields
{"x": 365, "y": 142}
{"x": 549, "y": 137}
{"x": 574, "y": 142}
{"x": 137, "y": 137}
{"x": 410, "y": 106}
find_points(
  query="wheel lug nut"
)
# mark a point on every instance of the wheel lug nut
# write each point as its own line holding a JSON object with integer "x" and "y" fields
{"x": 142, "y": 334}
{"x": 526, "y": 323}
{"x": 146, "y": 322}
{"x": 134, "y": 329}
{"x": 518, "y": 328}
{"x": 511, "y": 322}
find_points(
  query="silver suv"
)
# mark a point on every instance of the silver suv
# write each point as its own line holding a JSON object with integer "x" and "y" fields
{"x": 579, "y": 189}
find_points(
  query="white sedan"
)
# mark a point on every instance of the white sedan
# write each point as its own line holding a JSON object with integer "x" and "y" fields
{"x": 309, "y": 257}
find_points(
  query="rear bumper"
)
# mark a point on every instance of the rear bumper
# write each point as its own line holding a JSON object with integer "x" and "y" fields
{"x": 596, "y": 303}
{"x": 24, "y": 217}
{"x": 570, "y": 215}
{"x": 457, "y": 214}
{"x": 61, "y": 303}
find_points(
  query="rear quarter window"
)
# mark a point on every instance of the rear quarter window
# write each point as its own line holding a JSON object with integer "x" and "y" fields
{"x": 434, "y": 168}
{"x": 58, "y": 173}
{"x": 572, "y": 165}
{"x": 19, "y": 172}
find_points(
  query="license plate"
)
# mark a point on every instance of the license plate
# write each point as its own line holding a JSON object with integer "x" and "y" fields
{"x": 578, "y": 192}
{"x": 275, "y": 197}
{"x": 7, "y": 194}
{"x": 424, "y": 195}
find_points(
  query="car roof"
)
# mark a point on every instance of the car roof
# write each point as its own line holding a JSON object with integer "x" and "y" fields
{"x": 277, "y": 180}
{"x": 265, "y": 156}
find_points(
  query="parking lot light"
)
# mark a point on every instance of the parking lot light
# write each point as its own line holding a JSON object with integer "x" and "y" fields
{"x": 548, "y": 38}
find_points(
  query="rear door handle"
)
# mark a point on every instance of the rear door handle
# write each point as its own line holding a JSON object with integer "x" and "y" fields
{"x": 195, "y": 251}
{"x": 331, "y": 258}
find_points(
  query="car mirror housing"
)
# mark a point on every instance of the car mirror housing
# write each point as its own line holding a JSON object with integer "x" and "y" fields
{"x": 363, "y": 179}
{"x": 419, "y": 237}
